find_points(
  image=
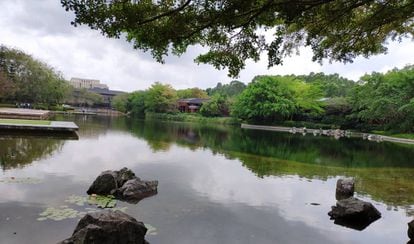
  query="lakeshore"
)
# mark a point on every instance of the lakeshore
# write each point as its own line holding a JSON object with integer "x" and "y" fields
{"x": 336, "y": 133}
{"x": 60, "y": 126}
{"x": 21, "y": 113}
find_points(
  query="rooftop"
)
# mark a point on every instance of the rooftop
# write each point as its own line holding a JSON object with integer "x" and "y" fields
{"x": 103, "y": 91}
{"x": 194, "y": 100}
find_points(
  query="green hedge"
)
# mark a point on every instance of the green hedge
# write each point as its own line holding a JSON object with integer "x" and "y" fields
{"x": 7, "y": 105}
{"x": 195, "y": 118}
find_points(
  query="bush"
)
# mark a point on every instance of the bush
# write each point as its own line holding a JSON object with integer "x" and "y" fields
{"x": 193, "y": 118}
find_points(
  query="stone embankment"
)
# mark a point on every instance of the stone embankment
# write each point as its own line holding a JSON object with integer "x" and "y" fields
{"x": 336, "y": 133}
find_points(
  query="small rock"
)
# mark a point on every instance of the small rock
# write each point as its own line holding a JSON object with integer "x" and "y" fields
{"x": 124, "y": 185}
{"x": 345, "y": 188}
{"x": 124, "y": 175}
{"x": 108, "y": 227}
{"x": 104, "y": 183}
{"x": 354, "y": 213}
{"x": 135, "y": 190}
{"x": 411, "y": 230}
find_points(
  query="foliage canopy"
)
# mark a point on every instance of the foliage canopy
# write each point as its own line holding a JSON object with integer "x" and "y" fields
{"x": 233, "y": 30}
{"x": 161, "y": 98}
{"x": 25, "y": 79}
{"x": 276, "y": 98}
{"x": 386, "y": 99}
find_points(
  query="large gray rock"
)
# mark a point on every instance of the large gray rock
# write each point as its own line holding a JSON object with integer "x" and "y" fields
{"x": 134, "y": 190}
{"x": 345, "y": 188}
{"x": 354, "y": 213}
{"x": 104, "y": 183}
{"x": 411, "y": 230}
{"x": 124, "y": 185}
{"x": 108, "y": 227}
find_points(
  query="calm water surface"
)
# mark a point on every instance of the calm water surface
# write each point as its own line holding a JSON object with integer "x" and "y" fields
{"x": 216, "y": 184}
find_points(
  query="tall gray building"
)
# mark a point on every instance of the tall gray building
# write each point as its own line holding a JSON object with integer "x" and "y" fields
{"x": 87, "y": 83}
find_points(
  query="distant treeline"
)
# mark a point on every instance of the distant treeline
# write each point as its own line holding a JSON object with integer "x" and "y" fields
{"x": 376, "y": 101}
{"x": 24, "y": 79}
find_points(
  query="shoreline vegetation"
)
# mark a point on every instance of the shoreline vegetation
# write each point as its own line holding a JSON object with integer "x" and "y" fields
{"x": 382, "y": 103}
{"x": 193, "y": 118}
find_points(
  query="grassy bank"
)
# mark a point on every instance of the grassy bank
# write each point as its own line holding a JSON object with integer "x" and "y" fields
{"x": 194, "y": 118}
{"x": 24, "y": 122}
{"x": 398, "y": 135}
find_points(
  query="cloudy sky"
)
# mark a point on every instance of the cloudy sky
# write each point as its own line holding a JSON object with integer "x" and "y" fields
{"x": 42, "y": 28}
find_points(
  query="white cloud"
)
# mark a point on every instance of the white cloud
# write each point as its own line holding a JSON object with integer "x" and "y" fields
{"x": 42, "y": 28}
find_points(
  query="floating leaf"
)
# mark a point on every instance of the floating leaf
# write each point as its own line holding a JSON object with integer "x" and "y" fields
{"x": 78, "y": 200}
{"x": 59, "y": 214}
{"x": 102, "y": 201}
{"x": 64, "y": 212}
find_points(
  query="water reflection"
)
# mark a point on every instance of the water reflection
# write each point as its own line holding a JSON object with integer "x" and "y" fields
{"x": 20, "y": 150}
{"x": 383, "y": 171}
{"x": 216, "y": 184}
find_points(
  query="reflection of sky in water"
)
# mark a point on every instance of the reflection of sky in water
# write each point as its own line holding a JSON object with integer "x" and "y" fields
{"x": 203, "y": 198}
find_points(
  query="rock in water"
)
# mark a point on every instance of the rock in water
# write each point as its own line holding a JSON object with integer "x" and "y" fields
{"x": 124, "y": 185}
{"x": 125, "y": 175}
{"x": 134, "y": 190}
{"x": 411, "y": 230}
{"x": 108, "y": 227}
{"x": 354, "y": 213}
{"x": 104, "y": 183}
{"x": 344, "y": 188}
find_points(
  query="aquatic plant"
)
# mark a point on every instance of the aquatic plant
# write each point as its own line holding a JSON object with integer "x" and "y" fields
{"x": 64, "y": 212}
{"x": 98, "y": 200}
{"x": 61, "y": 213}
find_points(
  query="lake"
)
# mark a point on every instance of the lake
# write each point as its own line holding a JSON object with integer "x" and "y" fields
{"x": 216, "y": 184}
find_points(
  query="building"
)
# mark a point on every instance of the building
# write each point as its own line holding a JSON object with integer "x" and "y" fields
{"x": 191, "y": 105}
{"x": 107, "y": 94}
{"x": 80, "y": 83}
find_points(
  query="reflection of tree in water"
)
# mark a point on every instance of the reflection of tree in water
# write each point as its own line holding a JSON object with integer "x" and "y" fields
{"x": 93, "y": 126}
{"x": 383, "y": 170}
{"x": 18, "y": 152}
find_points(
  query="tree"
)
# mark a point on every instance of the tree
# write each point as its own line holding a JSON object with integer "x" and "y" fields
{"x": 218, "y": 105}
{"x": 233, "y": 30}
{"x": 33, "y": 81}
{"x": 161, "y": 98}
{"x": 83, "y": 97}
{"x": 332, "y": 85}
{"x": 276, "y": 98}
{"x": 7, "y": 87}
{"x": 192, "y": 93}
{"x": 386, "y": 100}
{"x": 232, "y": 89}
{"x": 136, "y": 103}
{"x": 265, "y": 99}
{"x": 119, "y": 102}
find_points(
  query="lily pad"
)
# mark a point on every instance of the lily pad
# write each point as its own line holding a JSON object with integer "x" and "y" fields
{"x": 78, "y": 200}
{"x": 65, "y": 212}
{"x": 102, "y": 201}
{"x": 98, "y": 200}
{"x": 58, "y": 214}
